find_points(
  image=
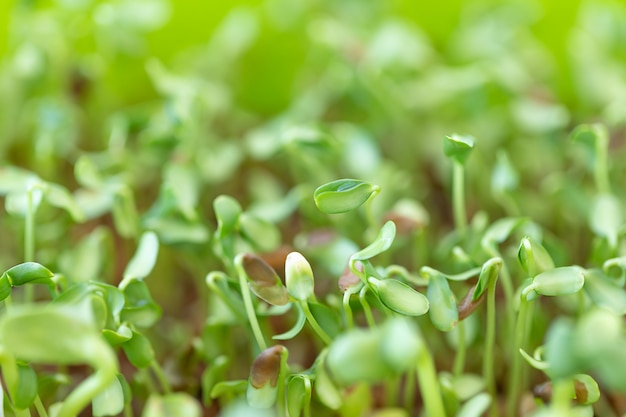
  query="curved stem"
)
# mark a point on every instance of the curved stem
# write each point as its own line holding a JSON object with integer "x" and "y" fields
{"x": 458, "y": 198}
{"x": 247, "y": 301}
{"x": 429, "y": 384}
{"x": 160, "y": 375}
{"x": 281, "y": 400}
{"x": 347, "y": 311}
{"x": 459, "y": 360}
{"x": 106, "y": 372}
{"x": 41, "y": 410}
{"x": 29, "y": 242}
{"x": 314, "y": 324}
{"x": 367, "y": 310}
{"x": 516, "y": 373}
{"x": 490, "y": 342}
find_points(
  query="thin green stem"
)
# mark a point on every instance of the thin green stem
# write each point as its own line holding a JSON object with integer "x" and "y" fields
{"x": 429, "y": 384}
{"x": 458, "y": 198}
{"x": 41, "y": 410}
{"x": 367, "y": 310}
{"x": 314, "y": 324}
{"x": 247, "y": 301}
{"x": 490, "y": 343}
{"x": 128, "y": 410}
{"x": 562, "y": 397}
{"x": 516, "y": 373}
{"x": 461, "y": 350}
{"x": 160, "y": 376}
{"x": 281, "y": 400}
{"x": 347, "y": 310}
{"x": 29, "y": 242}
{"x": 307, "y": 397}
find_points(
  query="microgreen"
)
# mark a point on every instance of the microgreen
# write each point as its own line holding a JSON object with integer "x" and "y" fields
{"x": 272, "y": 217}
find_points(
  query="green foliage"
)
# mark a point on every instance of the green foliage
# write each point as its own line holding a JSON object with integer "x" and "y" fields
{"x": 299, "y": 156}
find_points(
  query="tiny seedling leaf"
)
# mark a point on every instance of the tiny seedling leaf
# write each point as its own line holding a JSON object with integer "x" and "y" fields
{"x": 144, "y": 259}
{"x": 343, "y": 195}
{"x": 560, "y": 281}
{"x": 458, "y": 147}
{"x": 109, "y": 402}
{"x": 227, "y": 210}
{"x": 298, "y": 277}
{"x": 488, "y": 277}
{"x": 443, "y": 310}
{"x": 381, "y": 243}
{"x": 399, "y": 297}
{"x": 297, "y": 327}
{"x": 138, "y": 350}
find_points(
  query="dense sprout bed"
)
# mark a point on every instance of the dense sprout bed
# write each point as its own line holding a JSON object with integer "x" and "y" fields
{"x": 312, "y": 208}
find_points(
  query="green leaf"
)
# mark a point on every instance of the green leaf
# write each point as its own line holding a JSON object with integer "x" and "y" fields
{"x": 326, "y": 390}
{"x": 500, "y": 230}
{"x": 183, "y": 183}
{"x": 297, "y": 327}
{"x": 343, "y": 195}
{"x": 504, "y": 177}
{"x": 604, "y": 292}
{"x": 533, "y": 257}
{"x": 28, "y": 272}
{"x": 143, "y": 260}
{"x": 125, "y": 214}
{"x": 476, "y": 406}
{"x": 586, "y": 389}
{"x": 262, "y": 279}
{"x": 458, "y": 147}
{"x": 139, "y": 307}
{"x": 605, "y": 218}
{"x": 13, "y": 179}
{"x": 298, "y": 394}
{"x": 401, "y": 343}
{"x": 262, "y": 234}
{"x": 109, "y": 402}
{"x": 55, "y": 334}
{"x": 488, "y": 277}
{"x": 24, "y": 394}
{"x": 399, "y": 297}
{"x": 355, "y": 356}
{"x": 443, "y": 311}
{"x": 560, "y": 281}
{"x": 262, "y": 383}
{"x": 234, "y": 388}
{"x": 326, "y": 318}
{"x": 119, "y": 336}
{"x": 138, "y": 350}
{"x": 381, "y": 243}
{"x": 59, "y": 196}
{"x": 227, "y": 211}
{"x": 178, "y": 404}
{"x": 589, "y": 135}
{"x": 298, "y": 277}
{"x": 214, "y": 372}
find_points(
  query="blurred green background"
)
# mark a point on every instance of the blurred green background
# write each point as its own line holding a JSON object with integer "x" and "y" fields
{"x": 148, "y": 93}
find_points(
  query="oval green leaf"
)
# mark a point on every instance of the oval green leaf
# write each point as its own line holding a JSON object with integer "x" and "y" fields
{"x": 560, "y": 281}
{"x": 383, "y": 241}
{"x": 458, "y": 147}
{"x": 343, "y": 195}
{"x": 399, "y": 297}
{"x": 443, "y": 311}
